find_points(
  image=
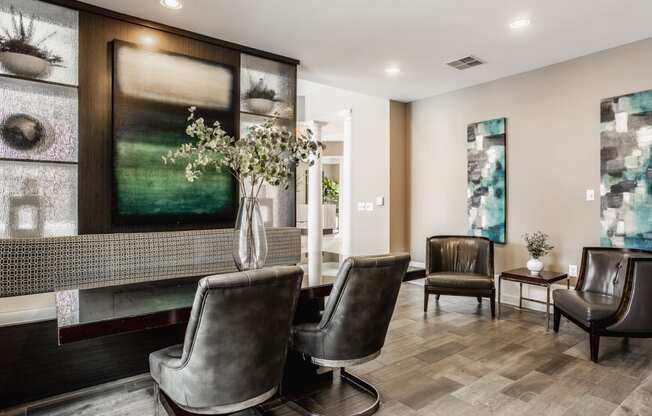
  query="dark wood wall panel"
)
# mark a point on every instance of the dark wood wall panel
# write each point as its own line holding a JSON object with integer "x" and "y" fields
{"x": 96, "y": 34}
{"x": 33, "y": 366}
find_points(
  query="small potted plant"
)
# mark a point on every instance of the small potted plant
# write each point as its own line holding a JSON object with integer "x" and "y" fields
{"x": 259, "y": 98}
{"x": 538, "y": 246}
{"x": 331, "y": 191}
{"x": 20, "y": 53}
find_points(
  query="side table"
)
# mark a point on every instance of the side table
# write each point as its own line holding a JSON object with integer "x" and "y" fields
{"x": 523, "y": 276}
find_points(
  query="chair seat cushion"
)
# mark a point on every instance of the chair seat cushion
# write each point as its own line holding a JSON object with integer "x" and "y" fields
{"x": 585, "y": 306}
{"x": 170, "y": 356}
{"x": 451, "y": 280}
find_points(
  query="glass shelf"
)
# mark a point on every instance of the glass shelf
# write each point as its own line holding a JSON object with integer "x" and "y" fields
{"x": 248, "y": 113}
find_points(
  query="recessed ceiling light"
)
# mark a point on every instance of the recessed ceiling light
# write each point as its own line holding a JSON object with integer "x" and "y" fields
{"x": 520, "y": 23}
{"x": 392, "y": 70}
{"x": 147, "y": 40}
{"x": 172, "y": 4}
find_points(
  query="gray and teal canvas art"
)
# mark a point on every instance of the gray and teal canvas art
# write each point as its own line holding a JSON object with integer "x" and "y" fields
{"x": 626, "y": 171}
{"x": 152, "y": 93}
{"x": 486, "y": 190}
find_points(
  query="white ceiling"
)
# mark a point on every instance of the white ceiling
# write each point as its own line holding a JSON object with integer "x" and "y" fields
{"x": 348, "y": 43}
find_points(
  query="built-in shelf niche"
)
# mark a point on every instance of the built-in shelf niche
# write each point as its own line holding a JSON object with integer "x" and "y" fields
{"x": 278, "y": 205}
{"x": 267, "y": 87}
{"x": 39, "y": 125}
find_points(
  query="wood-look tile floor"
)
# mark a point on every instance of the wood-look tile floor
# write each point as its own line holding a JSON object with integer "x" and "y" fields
{"x": 455, "y": 360}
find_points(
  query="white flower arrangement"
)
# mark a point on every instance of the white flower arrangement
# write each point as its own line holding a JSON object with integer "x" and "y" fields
{"x": 266, "y": 154}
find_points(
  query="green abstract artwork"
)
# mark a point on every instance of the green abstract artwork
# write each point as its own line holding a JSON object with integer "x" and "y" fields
{"x": 486, "y": 185}
{"x": 152, "y": 92}
{"x": 626, "y": 171}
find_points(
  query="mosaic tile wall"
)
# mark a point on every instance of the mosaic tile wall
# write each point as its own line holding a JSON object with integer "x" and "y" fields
{"x": 37, "y": 199}
{"x": 30, "y": 266}
{"x": 54, "y": 28}
{"x": 51, "y": 110}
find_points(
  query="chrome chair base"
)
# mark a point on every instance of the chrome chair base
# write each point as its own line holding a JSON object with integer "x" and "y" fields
{"x": 351, "y": 379}
{"x": 171, "y": 409}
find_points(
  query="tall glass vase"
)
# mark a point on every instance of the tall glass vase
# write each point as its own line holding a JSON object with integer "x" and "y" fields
{"x": 249, "y": 238}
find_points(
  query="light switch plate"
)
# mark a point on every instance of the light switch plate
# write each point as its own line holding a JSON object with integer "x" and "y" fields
{"x": 590, "y": 195}
{"x": 572, "y": 270}
{"x": 369, "y": 206}
{"x": 380, "y": 201}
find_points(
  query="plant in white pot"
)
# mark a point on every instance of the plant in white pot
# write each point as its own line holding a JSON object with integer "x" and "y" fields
{"x": 259, "y": 98}
{"x": 266, "y": 154}
{"x": 20, "y": 53}
{"x": 537, "y": 246}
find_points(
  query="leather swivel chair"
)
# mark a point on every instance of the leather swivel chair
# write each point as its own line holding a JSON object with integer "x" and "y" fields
{"x": 235, "y": 345}
{"x": 355, "y": 320}
{"x": 460, "y": 266}
{"x": 611, "y": 297}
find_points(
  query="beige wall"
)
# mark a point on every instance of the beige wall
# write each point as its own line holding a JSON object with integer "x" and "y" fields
{"x": 369, "y": 155}
{"x": 399, "y": 223}
{"x": 553, "y": 152}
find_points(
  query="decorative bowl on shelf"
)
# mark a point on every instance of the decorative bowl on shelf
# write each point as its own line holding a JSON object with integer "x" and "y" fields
{"x": 259, "y": 105}
{"x": 23, "y": 64}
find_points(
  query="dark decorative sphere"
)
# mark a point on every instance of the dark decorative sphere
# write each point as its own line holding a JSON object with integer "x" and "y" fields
{"x": 22, "y": 131}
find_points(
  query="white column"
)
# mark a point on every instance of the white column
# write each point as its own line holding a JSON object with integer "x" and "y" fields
{"x": 346, "y": 188}
{"x": 315, "y": 213}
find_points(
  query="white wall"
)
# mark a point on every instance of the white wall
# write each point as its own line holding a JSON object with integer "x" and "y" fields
{"x": 370, "y": 158}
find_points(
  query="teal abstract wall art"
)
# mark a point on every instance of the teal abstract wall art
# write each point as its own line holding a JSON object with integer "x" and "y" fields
{"x": 486, "y": 189}
{"x": 626, "y": 171}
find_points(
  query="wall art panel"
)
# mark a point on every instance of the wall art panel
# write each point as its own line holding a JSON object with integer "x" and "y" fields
{"x": 626, "y": 171}
{"x": 37, "y": 199}
{"x": 152, "y": 93}
{"x": 38, "y": 121}
{"x": 39, "y": 40}
{"x": 486, "y": 189}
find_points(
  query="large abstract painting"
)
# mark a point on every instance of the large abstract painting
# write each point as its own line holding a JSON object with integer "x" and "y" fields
{"x": 152, "y": 93}
{"x": 486, "y": 190}
{"x": 626, "y": 171}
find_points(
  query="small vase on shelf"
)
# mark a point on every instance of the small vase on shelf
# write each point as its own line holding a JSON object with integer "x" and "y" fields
{"x": 249, "y": 237}
{"x": 534, "y": 266}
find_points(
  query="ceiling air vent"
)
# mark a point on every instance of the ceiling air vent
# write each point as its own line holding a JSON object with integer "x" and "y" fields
{"x": 466, "y": 62}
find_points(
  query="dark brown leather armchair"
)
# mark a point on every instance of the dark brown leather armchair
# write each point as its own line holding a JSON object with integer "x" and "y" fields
{"x": 460, "y": 266}
{"x": 611, "y": 297}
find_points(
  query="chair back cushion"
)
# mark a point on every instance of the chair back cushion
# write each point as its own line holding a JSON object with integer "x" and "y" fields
{"x": 460, "y": 254}
{"x": 635, "y": 315}
{"x": 358, "y": 312}
{"x": 603, "y": 269}
{"x": 236, "y": 341}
